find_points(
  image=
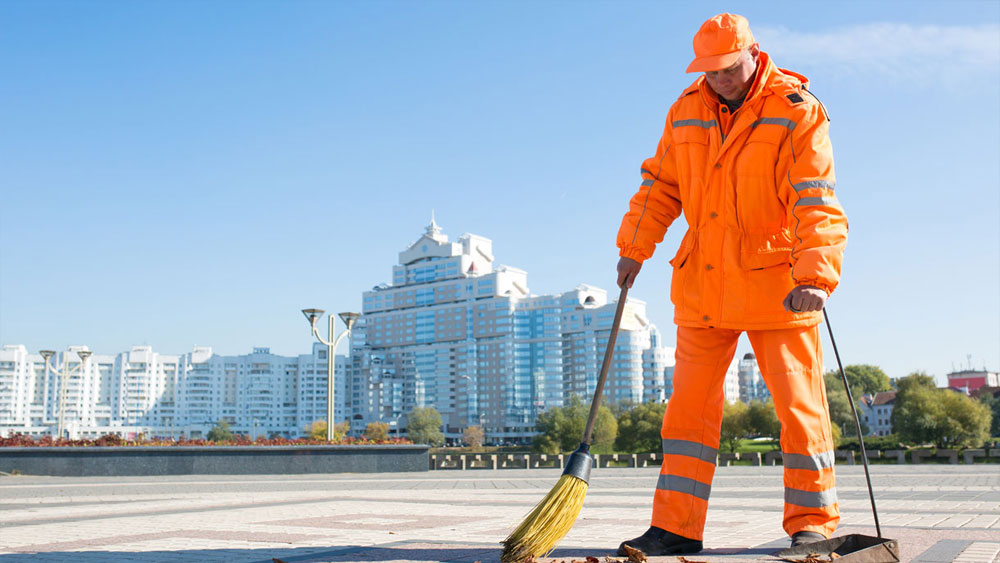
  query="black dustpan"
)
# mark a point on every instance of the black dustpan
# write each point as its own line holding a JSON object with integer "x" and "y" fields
{"x": 852, "y": 548}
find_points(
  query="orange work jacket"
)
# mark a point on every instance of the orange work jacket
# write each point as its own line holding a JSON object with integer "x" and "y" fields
{"x": 757, "y": 191}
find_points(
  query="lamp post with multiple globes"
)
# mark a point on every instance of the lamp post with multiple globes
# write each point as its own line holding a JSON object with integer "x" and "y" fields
{"x": 63, "y": 381}
{"x": 313, "y": 315}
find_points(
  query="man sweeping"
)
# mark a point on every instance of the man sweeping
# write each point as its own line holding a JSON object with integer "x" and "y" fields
{"x": 746, "y": 156}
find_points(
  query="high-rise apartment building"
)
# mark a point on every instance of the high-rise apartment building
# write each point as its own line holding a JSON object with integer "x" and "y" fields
{"x": 460, "y": 333}
{"x": 751, "y": 382}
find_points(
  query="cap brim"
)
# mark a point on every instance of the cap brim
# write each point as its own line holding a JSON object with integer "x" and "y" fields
{"x": 714, "y": 62}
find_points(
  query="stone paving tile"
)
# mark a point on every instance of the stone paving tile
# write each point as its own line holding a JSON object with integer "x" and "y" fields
{"x": 979, "y": 552}
{"x": 450, "y": 516}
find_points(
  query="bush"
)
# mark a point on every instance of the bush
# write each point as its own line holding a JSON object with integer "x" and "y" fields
{"x": 473, "y": 437}
{"x": 220, "y": 432}
{"x": 375, "y": 431}
{"x": 317, "y": 430}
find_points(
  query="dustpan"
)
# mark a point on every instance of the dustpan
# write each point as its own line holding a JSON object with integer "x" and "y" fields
{"x": 852, "y": 548}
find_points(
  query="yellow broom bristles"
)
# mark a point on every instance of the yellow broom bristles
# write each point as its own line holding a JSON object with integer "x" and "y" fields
{"x": 550, "y": 520}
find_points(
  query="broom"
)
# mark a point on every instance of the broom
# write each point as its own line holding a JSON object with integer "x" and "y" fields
{"x": 552, "y": 518}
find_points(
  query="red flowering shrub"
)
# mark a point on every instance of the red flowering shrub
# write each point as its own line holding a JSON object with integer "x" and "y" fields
{"x": 24, "y": 441}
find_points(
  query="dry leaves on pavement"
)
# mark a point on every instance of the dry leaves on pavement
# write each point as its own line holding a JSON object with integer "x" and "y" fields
{"x": 813, "y": 558}
{"x": 634, "y": 555}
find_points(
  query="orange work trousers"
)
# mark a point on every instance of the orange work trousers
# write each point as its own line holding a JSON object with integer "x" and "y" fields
{"x": 791, "y": 362}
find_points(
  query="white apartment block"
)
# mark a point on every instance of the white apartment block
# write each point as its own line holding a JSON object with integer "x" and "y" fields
{"x": 141, "y": 391}
{"x": 731, "y": 383}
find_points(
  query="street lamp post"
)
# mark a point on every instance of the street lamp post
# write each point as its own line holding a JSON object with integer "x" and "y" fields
{"x": 63, "y": 381}
{"x": 331, "y": 345}
{"x": 398, "y": 416}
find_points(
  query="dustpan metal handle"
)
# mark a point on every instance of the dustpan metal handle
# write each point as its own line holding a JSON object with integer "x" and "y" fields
{"x": 608, "y": 354}
{"x": 857, "y": 423}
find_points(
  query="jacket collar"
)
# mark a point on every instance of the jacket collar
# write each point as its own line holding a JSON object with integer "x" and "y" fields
{"x": 769, "y": 79}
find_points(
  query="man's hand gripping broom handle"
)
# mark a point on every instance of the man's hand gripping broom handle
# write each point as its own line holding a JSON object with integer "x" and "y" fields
{"x": 580, "y": 461}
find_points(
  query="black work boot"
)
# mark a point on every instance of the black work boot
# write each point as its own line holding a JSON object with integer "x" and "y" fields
{"x": 657, "y": 541}
{"x": 804, "y": 537}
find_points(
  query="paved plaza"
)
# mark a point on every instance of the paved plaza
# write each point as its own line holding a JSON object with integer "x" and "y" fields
{"x": 937, "y": 512}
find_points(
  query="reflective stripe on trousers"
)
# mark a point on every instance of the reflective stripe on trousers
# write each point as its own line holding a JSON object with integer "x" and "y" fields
{"x": 791, "y": 362}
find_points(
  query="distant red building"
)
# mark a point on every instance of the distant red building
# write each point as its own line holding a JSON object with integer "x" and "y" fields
{"x": 971, "y": 380}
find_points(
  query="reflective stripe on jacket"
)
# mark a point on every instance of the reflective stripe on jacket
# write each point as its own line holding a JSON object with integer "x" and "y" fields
{"x": 757, "y": 191}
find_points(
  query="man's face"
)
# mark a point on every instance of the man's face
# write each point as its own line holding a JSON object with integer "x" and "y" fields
{"x": 733, "y": 83}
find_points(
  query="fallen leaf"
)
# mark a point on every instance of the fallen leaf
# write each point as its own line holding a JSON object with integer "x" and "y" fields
{"x": 683, "y": 559}
{"x": 634, "y": 555}
{"x": 592, "y": 559}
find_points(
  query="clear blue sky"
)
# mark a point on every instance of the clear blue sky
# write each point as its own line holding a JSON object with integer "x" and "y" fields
{"x": 195, "y": 173}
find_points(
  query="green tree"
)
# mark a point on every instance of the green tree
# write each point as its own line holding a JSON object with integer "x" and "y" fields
{"x": 840, "y": 407}
{"x": 915, "y": 379}
{"x": 867, "y": 378}
{"x": 915, "y": 415}
{"x": 560, "y": 429}
{"x": 639, "y": 429}
{"x": 473, "y": 437}
{"x": 605, "y": 432}
{"x": 735, "y": 424}
{"x": 924, "y": 414}
{"x": 220, "y": 432}
{"x": 911, "y": 415}
{"x": 966, "y": 422}
{"x": 762, "y": 420}
{"x": 376, "y": 431}
{"x": 993, "y": 403}
{"x": 424, "y": 426}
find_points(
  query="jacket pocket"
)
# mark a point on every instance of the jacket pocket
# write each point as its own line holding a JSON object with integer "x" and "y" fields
{"x": 688, "y": 243}
{"x": 684, "y": 291}
{"x": 759, "y": 251}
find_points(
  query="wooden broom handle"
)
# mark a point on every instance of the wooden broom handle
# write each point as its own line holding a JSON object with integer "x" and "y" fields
{"x": 608, "y": 354}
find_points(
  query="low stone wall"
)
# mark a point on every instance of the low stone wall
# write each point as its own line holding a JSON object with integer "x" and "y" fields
{"x": 848, "y": 457}
{"x": 213, "y": 460}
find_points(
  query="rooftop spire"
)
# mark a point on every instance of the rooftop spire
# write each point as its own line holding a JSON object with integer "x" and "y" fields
{"x": 433, "y": 229}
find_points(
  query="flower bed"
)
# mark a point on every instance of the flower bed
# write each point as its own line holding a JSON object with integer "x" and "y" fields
{"x": 115, "y": 456}
{"x": 114, "y": 440}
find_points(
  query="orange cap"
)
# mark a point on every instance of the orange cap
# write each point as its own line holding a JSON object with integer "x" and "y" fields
{"x": 718, "y": 43}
